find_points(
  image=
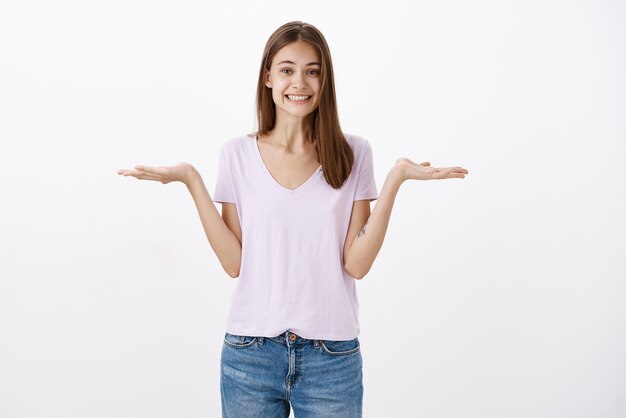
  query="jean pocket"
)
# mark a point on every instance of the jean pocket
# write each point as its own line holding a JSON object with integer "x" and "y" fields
{"x": 238, "y": 341}
{"x": 341, "y": 348}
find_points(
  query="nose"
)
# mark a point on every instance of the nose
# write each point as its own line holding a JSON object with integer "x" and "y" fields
{"x": 297, "y": 81}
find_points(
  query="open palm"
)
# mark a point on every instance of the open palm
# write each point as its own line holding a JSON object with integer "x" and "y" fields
{"x": 423, "y": 171}
{"x": 179, "y": 172}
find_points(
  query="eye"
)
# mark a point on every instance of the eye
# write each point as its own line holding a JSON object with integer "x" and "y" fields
{"x": 285, "y": 69}
{"x": 314, "y": 72}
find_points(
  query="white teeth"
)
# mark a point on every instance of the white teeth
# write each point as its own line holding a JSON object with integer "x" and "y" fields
{"x": 298, "y": 98}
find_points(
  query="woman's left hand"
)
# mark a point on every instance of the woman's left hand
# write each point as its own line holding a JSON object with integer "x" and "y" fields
{"x": 423, "y": 171}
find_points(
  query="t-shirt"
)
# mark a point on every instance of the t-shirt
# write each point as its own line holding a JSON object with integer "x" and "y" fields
{"x": 291, "y": 276}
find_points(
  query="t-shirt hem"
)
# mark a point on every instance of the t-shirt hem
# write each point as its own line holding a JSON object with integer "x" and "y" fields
{"x": 366, "y": 197}
{"x": 224, "y": 200}
{"x": 265, "y": 334}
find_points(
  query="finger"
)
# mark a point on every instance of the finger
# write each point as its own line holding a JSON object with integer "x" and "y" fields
{"x": 142, "y": 175}
{"x": 126, "y": 172}
{"x": 148, "y": 168}
{"x": 153, "y": 170}
{"x": 451, "y": 169}
{"x": 451, "y": 174}
{"x": 144, "y": 168}
{"x": 458, "y": 169}
{"x": 145, "y": 176}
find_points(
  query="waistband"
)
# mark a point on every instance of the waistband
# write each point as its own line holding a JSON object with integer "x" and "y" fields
{"x": 289, "y": 338}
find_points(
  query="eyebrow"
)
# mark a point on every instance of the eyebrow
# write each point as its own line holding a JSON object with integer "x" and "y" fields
{"x": 291, "y": 62}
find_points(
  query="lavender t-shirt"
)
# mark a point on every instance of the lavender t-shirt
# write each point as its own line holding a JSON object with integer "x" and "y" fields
{"x": 292, "y": 276}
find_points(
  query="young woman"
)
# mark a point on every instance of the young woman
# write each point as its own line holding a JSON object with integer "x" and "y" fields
{"x": 297, "y": 231}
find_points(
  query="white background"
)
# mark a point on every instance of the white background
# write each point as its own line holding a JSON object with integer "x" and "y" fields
{"x": 499, "y": 295}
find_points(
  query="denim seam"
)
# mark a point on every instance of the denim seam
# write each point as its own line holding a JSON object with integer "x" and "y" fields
{"x": 341, "y": 353}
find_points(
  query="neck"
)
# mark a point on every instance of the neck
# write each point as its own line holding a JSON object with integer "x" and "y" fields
{"x": 291, "y": 133}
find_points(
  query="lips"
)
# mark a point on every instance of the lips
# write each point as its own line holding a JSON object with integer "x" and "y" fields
{"x": 298, "y": 98}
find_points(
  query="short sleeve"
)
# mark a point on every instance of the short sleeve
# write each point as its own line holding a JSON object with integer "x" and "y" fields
{"x": 366, "y": 182}
{"x": 224, "y": 191}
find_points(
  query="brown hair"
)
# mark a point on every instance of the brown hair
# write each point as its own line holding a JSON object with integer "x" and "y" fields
{"x": 332, "y": 149}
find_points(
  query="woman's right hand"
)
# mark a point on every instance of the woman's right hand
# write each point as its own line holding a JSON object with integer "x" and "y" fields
{"x": 182, "y": 172}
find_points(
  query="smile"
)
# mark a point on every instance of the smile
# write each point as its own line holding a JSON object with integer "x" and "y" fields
{"x": 299, "y": 99}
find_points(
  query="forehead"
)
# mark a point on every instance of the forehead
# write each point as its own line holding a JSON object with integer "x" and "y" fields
{"x": 299, "y": 52}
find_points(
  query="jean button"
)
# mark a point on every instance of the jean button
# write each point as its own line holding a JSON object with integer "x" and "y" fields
{"x": 292, "y": 336}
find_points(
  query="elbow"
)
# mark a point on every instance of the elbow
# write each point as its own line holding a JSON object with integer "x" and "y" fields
{"x": 233, "y": 273}
{"x": 356, "y": 273}
{"x": 232, "y": 270}
{"x": 231, "y": 263}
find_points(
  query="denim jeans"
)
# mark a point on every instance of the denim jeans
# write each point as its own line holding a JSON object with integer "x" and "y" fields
{"x": 260, "y": 377}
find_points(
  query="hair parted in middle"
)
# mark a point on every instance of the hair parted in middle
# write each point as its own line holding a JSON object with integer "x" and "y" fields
{"x": 332, "y": 148}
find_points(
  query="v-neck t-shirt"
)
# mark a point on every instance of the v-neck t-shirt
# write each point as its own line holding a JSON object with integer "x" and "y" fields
{"x": 291, "y": 276}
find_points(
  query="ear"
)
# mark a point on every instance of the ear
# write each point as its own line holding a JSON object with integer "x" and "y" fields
{"x": 268, "y": 82}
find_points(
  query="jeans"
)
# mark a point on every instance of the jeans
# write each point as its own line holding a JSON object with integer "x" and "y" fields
{"x": 260, "y": 377}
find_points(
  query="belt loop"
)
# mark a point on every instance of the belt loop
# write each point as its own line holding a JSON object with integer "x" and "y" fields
{"x": 316, "y": 343}
{"x": 260, "y": 340}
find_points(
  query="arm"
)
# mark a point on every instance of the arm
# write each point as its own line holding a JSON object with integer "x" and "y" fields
{"x": 224, "y": 234}
{"x": 225, "y": 243}
{"x": 360, "y": 249}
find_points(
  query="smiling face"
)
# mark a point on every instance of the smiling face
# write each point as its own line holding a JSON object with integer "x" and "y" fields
{"x": 294, "y": 78}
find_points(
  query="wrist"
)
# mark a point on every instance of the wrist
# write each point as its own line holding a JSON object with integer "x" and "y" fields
{"x": 397, "y": 173}
{"x": 191, "y": 176}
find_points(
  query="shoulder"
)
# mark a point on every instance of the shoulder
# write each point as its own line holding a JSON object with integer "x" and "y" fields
{"x": 358, "y": 144}
{"x": 237, "y": 143}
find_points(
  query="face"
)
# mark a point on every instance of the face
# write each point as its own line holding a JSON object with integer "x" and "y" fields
{"x": 294, "y": 78}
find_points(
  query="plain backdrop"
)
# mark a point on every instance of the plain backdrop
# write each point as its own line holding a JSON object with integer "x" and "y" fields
{"x": 500, "y": 295}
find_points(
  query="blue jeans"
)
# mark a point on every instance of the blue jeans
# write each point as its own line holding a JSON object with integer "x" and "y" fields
{"x": 260, "y": 377}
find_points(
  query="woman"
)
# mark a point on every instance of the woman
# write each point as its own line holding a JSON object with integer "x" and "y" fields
{"x": 296, "y": 229}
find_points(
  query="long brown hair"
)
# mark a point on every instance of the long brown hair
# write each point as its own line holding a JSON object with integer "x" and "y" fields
{"x": 333, "y": 151}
